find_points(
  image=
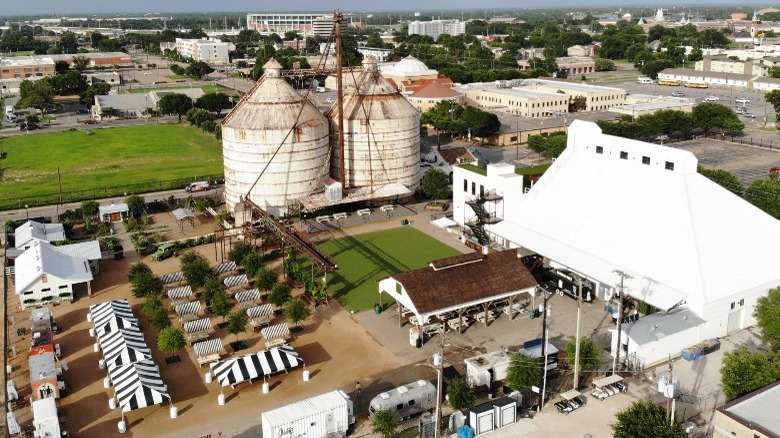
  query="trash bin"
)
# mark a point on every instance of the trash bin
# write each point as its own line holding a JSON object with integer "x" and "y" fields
{"x": 465, "y": 431}
{"x": 377, "y": 309}
{"x": 533, "y": 314}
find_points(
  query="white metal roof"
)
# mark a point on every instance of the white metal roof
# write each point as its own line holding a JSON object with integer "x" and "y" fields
{"x": 113, "y": 208}
{"x": 89, "y": 250}
{"x": 305, "y": 408}
{"x": 36, "y": 230}
{"x": 43, "y": 258}
{"x": 680, "y": 235}
{"x": 759, "y": 408}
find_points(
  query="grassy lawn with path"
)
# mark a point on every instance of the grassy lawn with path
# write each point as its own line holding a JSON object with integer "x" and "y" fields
{"x": 367, "y": 258}
{"x": 107, "y": 157}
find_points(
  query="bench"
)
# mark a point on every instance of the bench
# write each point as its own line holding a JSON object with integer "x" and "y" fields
{"x": 276, "y": 342}
{"x": 189, "y": 317}
{"x": 246, "y": 304}
{"x": 516, "y": 308}
{"x": 208, "y": 359}
{"x": 197, "y": 337}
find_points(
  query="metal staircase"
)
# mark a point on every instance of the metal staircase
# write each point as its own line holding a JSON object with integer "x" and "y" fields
{"x": 483, "y": 217}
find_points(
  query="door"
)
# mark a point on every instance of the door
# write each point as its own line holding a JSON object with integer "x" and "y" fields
{"x": 735, "y": 320}
{"x": 485, "y": 423}
{"x": 330, "y": 425}
{"x": 114, "y": 217}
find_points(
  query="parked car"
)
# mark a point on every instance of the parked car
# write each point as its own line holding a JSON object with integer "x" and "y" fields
{"x": 740, "y": 109}
{"x": 89, "y": 122}
{"x": 742, "y": 100}
{"x": 582, "y": 401}
{"x": 599, "y": 393}
{"x": 329, "y": 100}
{"x": 712, "y": 98}
{"x": 563, "y": 407}
{"x": 749, "y": 115}
{"x": 622, "y": 386}
{"x": 678, "y": 94}
{"x": 163, "y": 251}
{"x": 609, "y": 389}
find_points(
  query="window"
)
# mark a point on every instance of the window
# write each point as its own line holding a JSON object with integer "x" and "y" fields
{"x": 623, "y": 155}
{"x": 410, "y": 403}
{"x": 481, "y": 190}
{"x": 599, "y": 149}
{"x": 64, "y": 286}
{"x": 669, "y": 165}
{"x": 465, "y": 186}
{"x": 399, "y": 407}
{"x": 742, "y": 302}
{"x": 398, "y": 287}
{"x": 473, "y": 188}
{"x": 646, "y": 160}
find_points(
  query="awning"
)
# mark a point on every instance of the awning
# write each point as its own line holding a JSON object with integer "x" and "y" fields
{"x": 210, "y": 346}
{"x": 264, "y": 363}
{"x": 226, "y": 267}
{"x": 139, "y": 385}
{"x": 607, "y": 380}
{"x": 187, "y": 308}
{"x": 113, "y": 324}
{"x": 178, "y": 293}
{"x": 568, "y": 395}
{"x": 173, "y": 277}
{"x": 237, "y": 280}
{"x": 276, "y": 331}
{"x": 183, "y": 213}
{"x": 444, "y": 222}
{"x": 259, "y": 311}
{"x": 104, "y": 311}
{"x": 199, "y": 325}
{"x": 247, "y": 295}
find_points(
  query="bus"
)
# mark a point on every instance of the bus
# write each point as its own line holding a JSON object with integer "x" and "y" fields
{"x": 669, "y": 82}
{"x": 696, "y": 85}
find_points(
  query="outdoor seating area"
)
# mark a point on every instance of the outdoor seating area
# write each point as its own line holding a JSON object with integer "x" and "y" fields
{"x": 276, "y": 335}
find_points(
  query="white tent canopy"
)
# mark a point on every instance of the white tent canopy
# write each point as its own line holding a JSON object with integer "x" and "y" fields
{"x": 139, "y": 385}
{"x": 263, "y": 363}
{"x": 124, "y": 346}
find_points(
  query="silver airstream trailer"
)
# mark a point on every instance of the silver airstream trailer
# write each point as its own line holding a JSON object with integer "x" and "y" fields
{"x": 407, "y": 400}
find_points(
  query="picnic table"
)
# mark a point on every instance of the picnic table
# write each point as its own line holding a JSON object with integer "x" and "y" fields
{"x": 481, "y": 316}
{"x": 364, "y": 212}
{"x": 454, "y": 323}
{"x": 321, "y": 219}
{"x": 197, "y": 337}
{"x": 277, "y": 342}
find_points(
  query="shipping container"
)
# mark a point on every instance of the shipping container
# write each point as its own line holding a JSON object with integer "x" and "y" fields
{"x": 315, "y": 417}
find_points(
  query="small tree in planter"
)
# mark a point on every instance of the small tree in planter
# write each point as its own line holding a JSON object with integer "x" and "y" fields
{"x": 147, "y": 284}
{"x": 460, "y": 394}
{"x": 211, "y": 287}
{"x": 152, "y": 305}
{"x": 221, "y": 305}
{"x": 266, "y": 279}
{"x": 171, "y": 340}
{"x": 160, "y": 320}
{"x": 280, "y": 295}
{"x": 195, "y": 268}
{"x": 239, "y": 250}
{"x": 252, "y": 262}
{"x": 237, "y": 324}
{"x": 296, "y": 311}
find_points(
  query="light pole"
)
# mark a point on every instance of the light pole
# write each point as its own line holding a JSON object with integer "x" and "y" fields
{"x": 438, "y": 362}
{"x": 27, "y": 211}
{"x": 517, "y": 136}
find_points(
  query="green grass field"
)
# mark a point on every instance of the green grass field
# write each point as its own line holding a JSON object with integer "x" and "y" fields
{"x": 108, "y": 157}
{"x": 365, "y": 259}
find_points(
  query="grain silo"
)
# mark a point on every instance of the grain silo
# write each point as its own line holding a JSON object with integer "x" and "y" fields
{"x": 276, "y": 132}
{"x": 381, "y": 133}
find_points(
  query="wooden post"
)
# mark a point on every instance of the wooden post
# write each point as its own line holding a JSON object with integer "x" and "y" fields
{"x": 460, "y": 320}
{"x": 400, "y": 323}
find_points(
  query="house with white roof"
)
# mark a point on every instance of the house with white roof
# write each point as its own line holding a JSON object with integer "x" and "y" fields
{"x": 116, "y": 212}
{"x": 44, "y": 274}
{"x": 610, "y": 204}
{"x": 30, "y": 230}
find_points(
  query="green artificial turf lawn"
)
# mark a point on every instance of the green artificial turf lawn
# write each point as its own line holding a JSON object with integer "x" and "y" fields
{"x": 108, "y": 157}
{"x": 365, "y": 259}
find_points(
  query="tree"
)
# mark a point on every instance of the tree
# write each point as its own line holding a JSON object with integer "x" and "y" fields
{"x": 384, "y": 423}
{"x": 147, "y": 284}
{"x": 211, "y": 287}
{"x": 135, "y": 204}
{"x": 214, "y": 102}
{"x": 35, "y": 94}
{"x": 280, "y": 295}
{"x": 773, "y": 97}
{"x": 482, "y": 123}
{"x": 152, "y": 305}
{"x": 266, "y": 279}
{"x": 524, "y": 372}
{"x": 237, "y": 323}
{"x": 714, "y": 115}
{"x": 196, "y": 269}
{"x": 69, "y": 43}
{"x": 88, "y": 96}
{"x": 160, "y": 320}
{"x": 198, "y": 69}
{"x": 725, "y": 179}
{"x": 767, "y": 314}
{"x": 80, "y": 63}
{"x": 645, "y": 419}
{"x": 604, "y": 65}
{"x": 32, "y": 119}
{"x": 196, "y": 116}
{"x": 549, "y": 146}
{"x": 60, "y": 67}
{"x": 109, "y": 112}
{"x": 435, "y": 184}
{"x": 252, "y": 263}
{"x": 239, "y": 250}
{"x": 765, "y": 194}
{"x": 175, "y": 103}
{"x": 137, "y": 270}
{"x": 296, "y": 311}
{"x": 590, "y": 354}
{"x": 460, "y": 395}
{"x": 221, "y": 304}
{"x": 90, "y": 208}
{"x": 744, "y": 371}
{"x": 170, "y": 340}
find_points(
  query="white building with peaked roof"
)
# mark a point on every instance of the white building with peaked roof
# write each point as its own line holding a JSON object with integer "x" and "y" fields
{"x": 44, "y": 274}
{"x": 608, "y": 203}
{"x": 29, "y": 231}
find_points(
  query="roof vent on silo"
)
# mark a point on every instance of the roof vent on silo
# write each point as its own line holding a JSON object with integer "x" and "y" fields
{"x": 272, "y": 68}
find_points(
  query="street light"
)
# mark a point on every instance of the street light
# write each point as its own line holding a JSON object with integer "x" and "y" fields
{"x": 27, "y": 211}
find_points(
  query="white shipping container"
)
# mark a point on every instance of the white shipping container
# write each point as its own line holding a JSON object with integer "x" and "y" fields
{"x": 314, "y": 417}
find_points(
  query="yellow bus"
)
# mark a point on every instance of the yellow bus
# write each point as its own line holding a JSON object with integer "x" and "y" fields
{"x": 696, "y": 85}
{"x": 668, "y": 82}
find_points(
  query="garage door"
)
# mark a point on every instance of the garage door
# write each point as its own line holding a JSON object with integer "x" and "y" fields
{"x": 735, "y": 320}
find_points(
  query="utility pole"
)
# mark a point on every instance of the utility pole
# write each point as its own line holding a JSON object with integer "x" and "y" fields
{"x": 438, "y": 362}
{"x": 623, "y": 276}
{"x": 577, "y": 336}
{"x": 544, "y": 351}
{"x": 670, "y": 393}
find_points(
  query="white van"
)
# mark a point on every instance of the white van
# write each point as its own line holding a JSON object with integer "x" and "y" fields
{"x": 645, "y": 81}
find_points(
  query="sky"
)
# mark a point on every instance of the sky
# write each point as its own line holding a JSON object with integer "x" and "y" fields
{"x": 72, "y": 7}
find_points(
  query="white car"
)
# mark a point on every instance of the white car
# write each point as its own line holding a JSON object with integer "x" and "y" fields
{"x": 742, "y": 100}
{"x": 329, "y": 100}
{"x": 712, "y": 98}
{"x": 678, "y": 94}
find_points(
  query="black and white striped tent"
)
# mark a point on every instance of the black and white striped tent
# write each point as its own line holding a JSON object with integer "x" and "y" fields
{"x": 199, "y": 325}
{"x": 187, "y": 308}
{"x": 173, "y": 277}
{"x": 105, "y": 310}
{"x": 259, "y": 311}
{"x": 114, "y": 323}
{"x": 224, "y": 268}
{"x": 208, "y": 347}
{"x": 124, "y": 346}
{"x": 263, "y": 363}
{"x": 276, "y": 331}
{"x": 236, "y": 280}
{"x": 139, "y": 385}
{"x": 247, "y": 295}
{"x": 178, "y": 293}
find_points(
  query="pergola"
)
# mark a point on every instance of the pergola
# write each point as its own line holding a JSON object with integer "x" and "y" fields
{"x": 453, "y": 285}
{"x": 184, "y": 214}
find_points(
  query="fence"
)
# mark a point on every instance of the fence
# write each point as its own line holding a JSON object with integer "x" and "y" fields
{"x": 103, "y": 192}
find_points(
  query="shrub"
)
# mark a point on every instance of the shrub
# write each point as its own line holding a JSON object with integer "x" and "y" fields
{"x": 47, "y": 298}
{"x": 280, "y": 295}
{"x": 65, "y": 295}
